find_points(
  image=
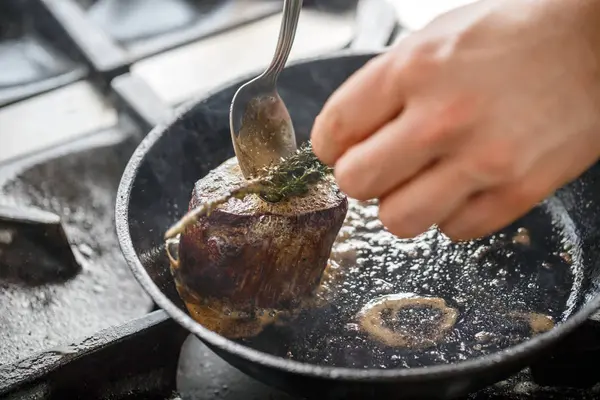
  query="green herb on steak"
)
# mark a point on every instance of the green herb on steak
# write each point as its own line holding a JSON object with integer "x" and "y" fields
{"x": 293, "y": 176}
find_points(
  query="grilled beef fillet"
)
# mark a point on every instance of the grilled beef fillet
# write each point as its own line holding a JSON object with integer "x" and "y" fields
{"x": 250, "y": 258}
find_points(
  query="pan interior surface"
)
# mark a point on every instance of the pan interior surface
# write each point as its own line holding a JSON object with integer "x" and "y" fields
{"x": 385, "y": 303}
{"x": 392, "y": 303}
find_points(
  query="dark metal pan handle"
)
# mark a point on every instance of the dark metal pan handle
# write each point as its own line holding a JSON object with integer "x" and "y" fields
{"x": 139, "y": 101}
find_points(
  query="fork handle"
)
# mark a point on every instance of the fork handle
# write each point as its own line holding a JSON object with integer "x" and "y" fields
{"x": 287, "y": 33}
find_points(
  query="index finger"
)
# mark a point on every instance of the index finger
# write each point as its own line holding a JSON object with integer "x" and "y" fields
{"x": 363, "y": 104}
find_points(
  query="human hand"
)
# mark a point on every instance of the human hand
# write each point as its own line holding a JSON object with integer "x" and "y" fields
{"x": 470, "y": 122}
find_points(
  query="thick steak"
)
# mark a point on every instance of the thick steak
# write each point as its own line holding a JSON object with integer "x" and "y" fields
{"x": 251, "y": 255}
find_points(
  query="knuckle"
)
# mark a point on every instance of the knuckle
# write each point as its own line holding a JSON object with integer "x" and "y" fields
{"x": 390, "y": 75}
{"x": 457, "y": 111}
{"x": 377, "y": 62}
{"x": 431, "y": 134}
{"x": 442, "y": 126}
{"x": 499, "y": 165}
{"x": 445, "y": 122}
{"x": 419, "y": 60}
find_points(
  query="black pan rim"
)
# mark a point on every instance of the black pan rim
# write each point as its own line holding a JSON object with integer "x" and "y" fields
{"x": 511, "y": 354}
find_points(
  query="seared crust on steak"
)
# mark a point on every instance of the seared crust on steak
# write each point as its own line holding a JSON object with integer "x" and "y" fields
{"x": 250, "y": 254}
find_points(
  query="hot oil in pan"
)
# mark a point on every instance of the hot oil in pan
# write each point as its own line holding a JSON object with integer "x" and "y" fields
{"x": 393, "y": 303}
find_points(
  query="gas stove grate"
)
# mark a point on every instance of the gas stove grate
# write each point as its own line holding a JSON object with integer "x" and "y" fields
{"x": 35, "y": 55}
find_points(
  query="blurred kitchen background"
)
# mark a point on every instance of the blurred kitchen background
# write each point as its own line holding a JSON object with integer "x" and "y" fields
{"x": 61, "y": 55}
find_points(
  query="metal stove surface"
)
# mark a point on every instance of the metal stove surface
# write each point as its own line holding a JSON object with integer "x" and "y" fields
{"x": 63, "y": 151}
{"x": 201, "y": 374}
{"x": 154, "y": 358}
{"x": 79, "y": 186}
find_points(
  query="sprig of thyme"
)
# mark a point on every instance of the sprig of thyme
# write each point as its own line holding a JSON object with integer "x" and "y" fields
{"x": 293, "y": 176}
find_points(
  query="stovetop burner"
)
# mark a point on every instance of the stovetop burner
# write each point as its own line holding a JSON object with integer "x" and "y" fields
{"x": 41, "y": 305}
{"x": 34, "y": 56}
{"x": 113, "y": 33}
{"x": 136, "y": 20}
